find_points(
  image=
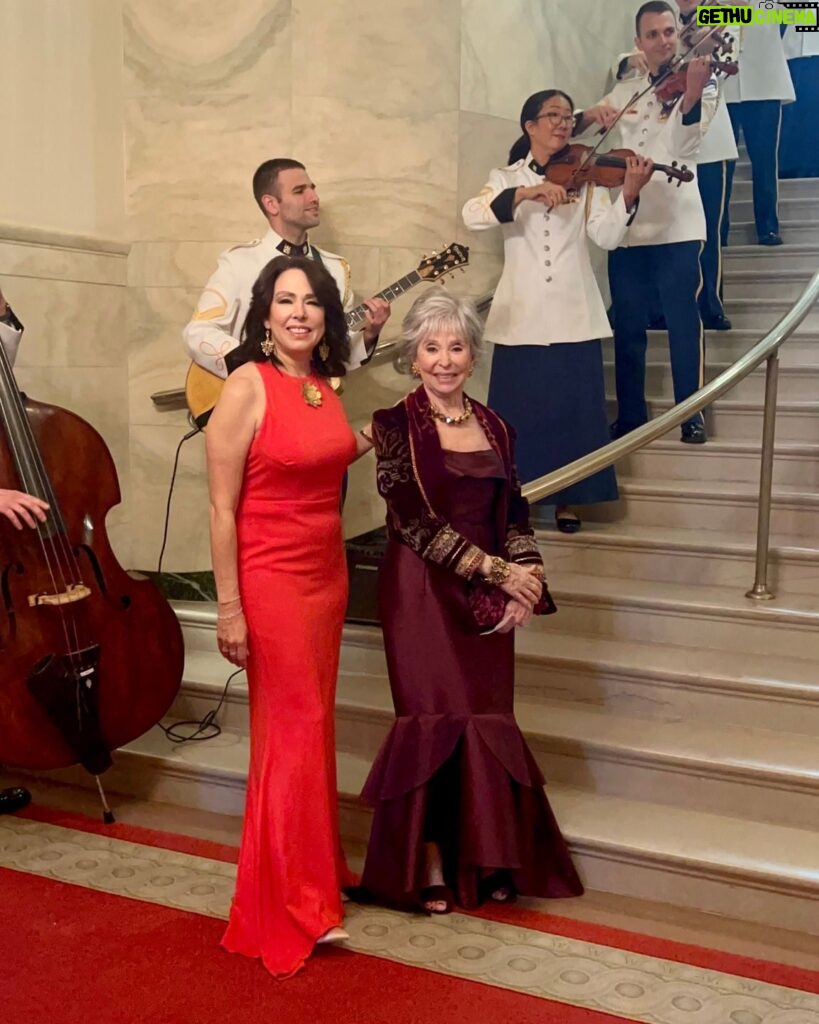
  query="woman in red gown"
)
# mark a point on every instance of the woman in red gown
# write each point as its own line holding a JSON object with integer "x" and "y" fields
{"x": 278, "y": 445}
{"x": 460, "y": 811}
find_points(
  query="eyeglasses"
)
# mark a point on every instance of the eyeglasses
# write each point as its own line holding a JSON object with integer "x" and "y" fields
{"x": 555, "y": 119}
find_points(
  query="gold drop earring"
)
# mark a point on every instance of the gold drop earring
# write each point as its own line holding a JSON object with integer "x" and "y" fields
{"x": 268, "y": 346}
{"x": 323, "y": 351}
{"x": 414, "y": 370}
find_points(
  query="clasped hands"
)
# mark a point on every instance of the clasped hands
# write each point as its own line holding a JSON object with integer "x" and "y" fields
{"x": 525, "y": 589}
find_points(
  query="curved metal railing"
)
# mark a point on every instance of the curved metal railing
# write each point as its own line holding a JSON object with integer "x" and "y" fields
{"x": 766, "y": 349}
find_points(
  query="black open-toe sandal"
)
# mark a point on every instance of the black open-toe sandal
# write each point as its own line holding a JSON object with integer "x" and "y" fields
{"x": 568, "y": 524}
{"x": 436, "y": 894}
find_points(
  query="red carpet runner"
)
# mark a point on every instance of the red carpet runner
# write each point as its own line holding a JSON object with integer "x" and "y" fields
{"x": 74, "y": 955}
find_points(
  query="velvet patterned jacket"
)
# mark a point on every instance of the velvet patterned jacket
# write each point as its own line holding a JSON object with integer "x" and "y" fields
{"x": 412, "y": 476}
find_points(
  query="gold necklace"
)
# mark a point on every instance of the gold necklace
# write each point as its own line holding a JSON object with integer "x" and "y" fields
{"x": 452, "y": 421}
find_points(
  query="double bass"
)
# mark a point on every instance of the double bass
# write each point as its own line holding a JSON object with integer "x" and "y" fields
{"x": 91, "y": 656}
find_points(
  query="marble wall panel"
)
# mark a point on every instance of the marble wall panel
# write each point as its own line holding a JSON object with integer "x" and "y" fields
{"x": 23, "y": 258}
{"x": 69, "y": 323}
{"x": 152, "y": 454}
{"x": 191, "y": 48}
{"x": 157, "y": 360}
{"x": 61, "y": 97}
{"x": 391, "y": 59}
{"x": 397, "y": 189}
{"x": 513, "y": 49}
{"x": 190, "y": 164}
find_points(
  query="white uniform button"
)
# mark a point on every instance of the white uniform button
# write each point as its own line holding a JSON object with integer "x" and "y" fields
{"x": 547, "y": 263}
{"x": 548, "y": 279}
{"x": 645, "y": 131}
{"x": 546, "y": 248}
{"x": 646, "y": 117}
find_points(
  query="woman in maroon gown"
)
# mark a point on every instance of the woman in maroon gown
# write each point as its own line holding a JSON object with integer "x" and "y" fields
{"x": 460, "y": 812}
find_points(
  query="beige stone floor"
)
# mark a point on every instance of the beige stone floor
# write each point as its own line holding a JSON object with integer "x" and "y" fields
{"x": 655, "y": 919}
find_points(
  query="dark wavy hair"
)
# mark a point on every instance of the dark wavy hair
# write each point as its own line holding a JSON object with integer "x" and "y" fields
{"x": 529, "y": 111}
{"x": 335, "y": 322}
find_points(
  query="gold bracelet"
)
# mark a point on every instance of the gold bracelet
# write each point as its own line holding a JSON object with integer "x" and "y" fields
{"x": 499, "y": 573}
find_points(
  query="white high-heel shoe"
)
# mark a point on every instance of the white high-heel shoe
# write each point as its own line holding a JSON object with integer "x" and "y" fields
{"x": 332, "y": 937}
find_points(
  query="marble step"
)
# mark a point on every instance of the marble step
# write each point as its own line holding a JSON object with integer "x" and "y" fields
{"x": 708, "y": 506}
{"x": 685, "y": 857}
{"x": 762, "y": 313}
{"x": 644, "y": 681}
{"x": 791, "y": 208}
{"x": 755, "y": 774}
{"x": 760, "y": 258}
{"x": 772, "y": 284}
{"x": 789, "y": 188}
{"x": 730, "y": 420}
{"x": 800, "y": 231}
{"x": 794, "y": 464}
{"x": 800, "y": 349}
{"x": 682, "y": 614}
{"x": 668, "y": 555}
{"x": 796, "y": 383}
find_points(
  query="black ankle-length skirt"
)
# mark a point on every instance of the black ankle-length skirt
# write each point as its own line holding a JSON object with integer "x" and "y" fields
{"x": 554, "y": 396}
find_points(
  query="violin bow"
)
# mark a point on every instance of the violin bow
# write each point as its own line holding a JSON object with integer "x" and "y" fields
{"x": 673, "y": 65}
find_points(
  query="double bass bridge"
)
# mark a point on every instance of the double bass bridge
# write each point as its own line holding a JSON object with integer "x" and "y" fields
{"x": 73, "y": 592}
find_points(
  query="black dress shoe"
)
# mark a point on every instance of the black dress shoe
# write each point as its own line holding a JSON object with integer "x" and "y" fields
{"x": 693, "y": 433}
{"x": 716, "y": 323}
{"x": 772, "y": 238}
{"x": 12, "y": 800}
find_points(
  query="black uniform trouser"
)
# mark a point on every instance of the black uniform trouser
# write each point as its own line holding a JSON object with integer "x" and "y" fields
{"x": 634, "y": 272}
{"x": 760, "y": 122}
{"x": 712, "y": 181}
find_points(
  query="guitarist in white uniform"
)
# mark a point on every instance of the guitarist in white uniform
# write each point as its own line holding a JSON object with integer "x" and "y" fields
{"x": 290, "y": 203}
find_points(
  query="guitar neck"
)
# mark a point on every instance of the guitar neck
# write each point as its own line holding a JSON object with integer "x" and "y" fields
{"x": 358, "y": 316}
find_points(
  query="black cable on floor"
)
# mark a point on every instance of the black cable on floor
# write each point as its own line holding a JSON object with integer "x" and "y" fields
{"x": 208, "y": 728}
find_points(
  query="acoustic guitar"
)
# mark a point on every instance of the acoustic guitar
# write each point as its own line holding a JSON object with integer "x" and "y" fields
{"x": 202, "y": 388}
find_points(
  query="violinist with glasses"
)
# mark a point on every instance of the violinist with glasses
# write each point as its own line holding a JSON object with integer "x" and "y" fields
{"x": 547, "y": 315}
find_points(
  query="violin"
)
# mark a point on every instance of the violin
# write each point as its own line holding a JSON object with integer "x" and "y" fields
{"x": 91, "y": 656}
{"x": 577, "y": 165}
{"x": 675, "y": 81}
{"x": 694, "y": 35}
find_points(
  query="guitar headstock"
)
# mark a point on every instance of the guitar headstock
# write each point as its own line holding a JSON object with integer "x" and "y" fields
{"x": 439, "y": 263}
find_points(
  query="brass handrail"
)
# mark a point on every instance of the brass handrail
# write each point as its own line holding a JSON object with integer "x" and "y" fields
{"x": 766, "y": 349}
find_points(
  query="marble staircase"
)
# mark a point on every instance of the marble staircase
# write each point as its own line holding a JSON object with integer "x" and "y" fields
{"x": 676, "y": 721}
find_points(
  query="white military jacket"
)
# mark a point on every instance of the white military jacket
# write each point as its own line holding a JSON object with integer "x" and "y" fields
{"x": 800, "y": 44}
{"x": 547, "y": 293}
{"x": 668, "y": 212}
{"x": 10, "y": 340}
{"x": 718, "y": 141}
{"x": 763, "y": 69}
{"x": 216, "y": 325}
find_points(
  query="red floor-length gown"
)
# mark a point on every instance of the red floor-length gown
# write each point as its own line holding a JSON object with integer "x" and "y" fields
{"x": 293, "y": 583}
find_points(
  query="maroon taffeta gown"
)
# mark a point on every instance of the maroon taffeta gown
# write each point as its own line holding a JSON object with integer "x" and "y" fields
{"x": 455, "y": 769}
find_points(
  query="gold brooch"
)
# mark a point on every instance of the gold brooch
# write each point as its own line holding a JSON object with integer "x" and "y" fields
{"x": 311, "y": 394}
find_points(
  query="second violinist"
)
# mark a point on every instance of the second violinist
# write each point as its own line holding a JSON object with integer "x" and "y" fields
{"x": 662, "y": 250}
{"x": 547, "y": 316}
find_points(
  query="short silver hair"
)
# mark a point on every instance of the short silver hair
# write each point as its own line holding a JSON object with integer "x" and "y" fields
{"x": 437, "y": 309}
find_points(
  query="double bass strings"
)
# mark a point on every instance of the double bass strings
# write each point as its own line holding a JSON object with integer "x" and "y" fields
{"x": 34, "y": 479}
